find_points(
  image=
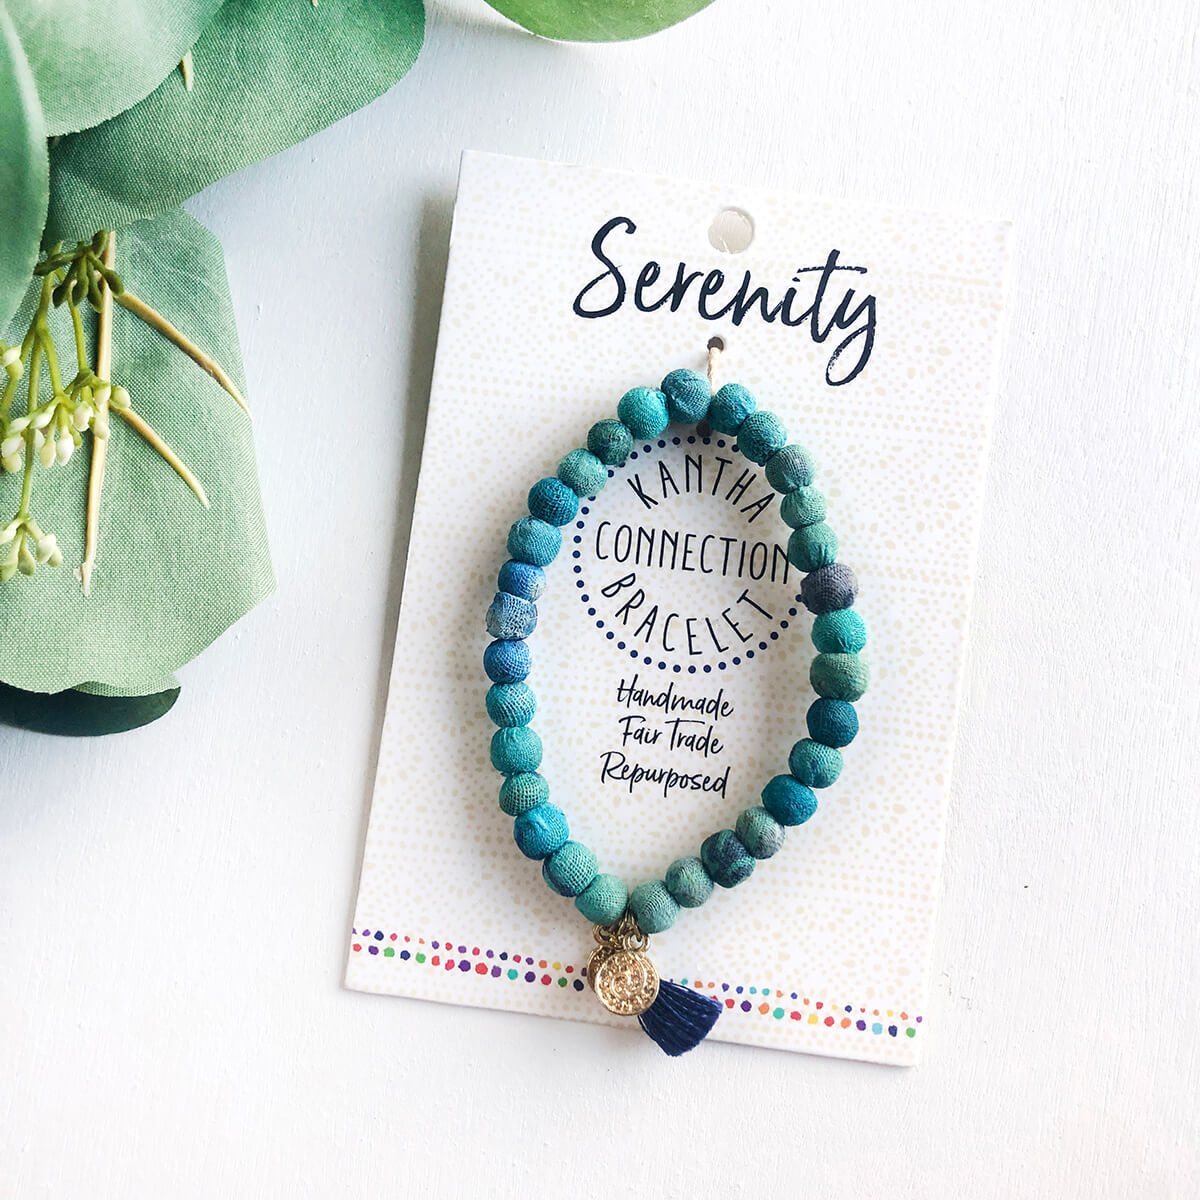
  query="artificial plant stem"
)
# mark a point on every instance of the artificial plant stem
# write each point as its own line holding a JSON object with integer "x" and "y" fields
{"x": 91, "y": 537}
{"x": 80, "y": 341}
{"x": 157, "y": 321}
{"x": 140, "y": 425}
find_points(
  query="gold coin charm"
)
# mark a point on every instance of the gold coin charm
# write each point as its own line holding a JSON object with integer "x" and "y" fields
{"x": 625, "y": 981}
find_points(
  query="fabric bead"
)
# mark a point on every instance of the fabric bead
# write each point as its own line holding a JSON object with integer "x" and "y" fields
{"x": 730, "y": 407}
{"x": 533, "y": 541}
{"x": 511, "y": 704}
{"x": 610, "y": 441}
{"x": 688, "y": 394}
{"x": 509, "y": 618}
{"x": 540, "y": 831}
{"x": 829, "y": 588}
{"x": 603, "y": 901}
{"x": 521, "y": 579}
{"x": 839, "y": 632}
{"x": 759, "y": 832}
{"x": 550, "y": 500}
{"x": 832, "y": 722}
{"x": 507, "y": 662}
{"x": 788, "y": 800}
{"x": 726, "y": 860}
{"x": 569, "y": 869}
{"x": 804, "y": 506}
{"x": 761, "y": 435}
{"x": 839, "y": 676}
{"x": 520, "y": 793}
{"x": 652, "y": 906}
{"x": 812, "y": 546}
{"x": 583, "y": 473}
{"x": 789, "y": 469}
{"x": 815, "y": 765}
{"x": 516, "y": 750}
{"x": 688, "y": 882}
{"x": 644, "y": 410}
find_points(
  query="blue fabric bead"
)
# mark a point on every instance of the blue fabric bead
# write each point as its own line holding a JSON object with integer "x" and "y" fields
{"x": 603, "y": 901}
{"x": 644, "y": 410}
{"x": 804, "y": 506}
{"x": 840, "y": 632}
{"x": 726, "y": 860}
{"x": 761, "y": 435}
{"x": 730, "y": 407}
{"x": 789, "y": 469}
{"x": 812, "y": 546}
{"x": 522, "y": 579}
{"x": 533, "y": 541}
{"x": 815, "y": 765}
{"x": 832, "y": 722}
{"x": 789, "y": 801}
{"x": 583, "y": 473}
{"x": 688, "y": 394}
{"x": 550, "y": 500}
{"x": 569, "y": 869}
{"x": 610, "y": 441}
{"x": 759, "y": 832}
{"x": 516, "y": 750}
{"x": 688, "y": 882}
{"x": 511, "y": 704}
{"x": 829, "y": 588}
{"x": 540, "y": 831}
{"x": 509, "y": 618}
{"x": 507, "y": 662}
{"x": 520, "y": 793}
{"x": 653, "y": 907}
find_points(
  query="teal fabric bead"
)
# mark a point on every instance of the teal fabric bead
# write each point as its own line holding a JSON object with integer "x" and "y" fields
{"x": 569, "y": 869}
{"x": 788, "y": 800}
{"x": 533, "y": 541}
{"x": 540, "y": 831}
{"x": 610, "y": 441}
{"x": 832, "y": 722}
{"x": 644, "y": 410}
{"x": 583, "y": 473}
{"x": 688, "y": 394}
{"x": 516, "y": 750}
{"x": 725, "y": 859}
{"x": 759, "y": 832}
{"x": 840, "y": 632}
{"x": 653, "y": 907}
{"x": 730, "y": 407}
{"x": 520, "y": 793}
{"x": 603, "y": 901}
{"x": 507, "y": 662}
{"x": 789, "y": 469}
{"x": 761, "y": 435}
{"x": 839, "y": 676}
{"x": 804, "y": 506}
{"x": 511, "y": 704}
{"x": 550, "y": 500}
{"x": 521, "y": 579}
{"x": 812, "y": 546}
{"x": 815, "y": 765}
{"x": 688, "y": 882}
{"x": 509, "y": 618}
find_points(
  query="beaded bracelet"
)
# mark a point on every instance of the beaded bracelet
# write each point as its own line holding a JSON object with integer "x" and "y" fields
{"x": 618, "y": 969}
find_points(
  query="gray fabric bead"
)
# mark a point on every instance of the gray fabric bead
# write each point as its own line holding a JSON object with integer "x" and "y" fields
{"x": 509, "y": 618}
{"x": 829, "y": 588}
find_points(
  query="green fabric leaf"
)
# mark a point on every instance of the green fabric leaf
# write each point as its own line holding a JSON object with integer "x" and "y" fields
{"x": 24, "y": 170}
{"x": 170, "y": 575}
{"x": 267, "y": 75}
{"x": 597, "y": 20}
{"x": 81, "y": 714}
{"x": 94, "y": 58}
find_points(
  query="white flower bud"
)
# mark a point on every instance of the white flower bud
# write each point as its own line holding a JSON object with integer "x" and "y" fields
{"x": 64, "y": 448}
{"x": 19, "y": 425}
{"x": 119, "y": 398}
{"x": 46, "y": 546}
{"x": 46, "y": 453}
{"x": 25, "y": 561}
{"x": 10, "y": 356}
{"x": 10, "y": 555}
{"x": 12, "y": 463}
{"x": 55, "y": 560}
{"x": 100, "y": 426}
{"x": 102, "y": 393}
{"x": 9, "y": 532}
{"x": 82, "y": 417}
{"x": 42, "y": 419}
{"x": 12, "y": 445}
{"x": 38, "y": 438}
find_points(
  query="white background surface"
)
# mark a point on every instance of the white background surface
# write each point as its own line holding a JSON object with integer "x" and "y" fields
{"x": 173, "y": 903}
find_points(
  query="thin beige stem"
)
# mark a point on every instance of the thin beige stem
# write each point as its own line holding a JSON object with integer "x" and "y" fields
{"x": 140, "y": 425}
{"x": 157, "y": 321}
{"x": 91, "y": 540}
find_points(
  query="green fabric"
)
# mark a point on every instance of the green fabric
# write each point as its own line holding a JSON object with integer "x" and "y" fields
{"x": 170, "y": 576}
{"x": 597, "y": 20}
{"x": 81, "y": 714}
{"x": 267, "y": 75}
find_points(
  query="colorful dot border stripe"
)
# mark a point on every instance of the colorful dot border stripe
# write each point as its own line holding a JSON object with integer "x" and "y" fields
{"x": 447, "y": 955}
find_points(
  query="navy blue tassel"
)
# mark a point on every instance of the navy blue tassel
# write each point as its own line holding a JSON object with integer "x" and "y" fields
{"x": 679, "y": 1018}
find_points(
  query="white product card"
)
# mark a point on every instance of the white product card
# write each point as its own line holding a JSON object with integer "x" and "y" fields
{"x": 671, "y": 655}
